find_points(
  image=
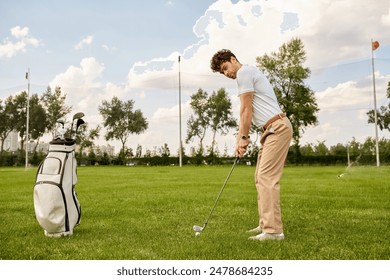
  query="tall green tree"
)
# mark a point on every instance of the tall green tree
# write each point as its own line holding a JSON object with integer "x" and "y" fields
{"x": 220, "y": 113}
{"x": 198, "y": 123}
{"x": 214, "y": 112}
{"x": 121, "y": 120}
{"x": 37, "y": 120}
{"x": 54, "y": 103}
{"x": 18, "y": 114}
{"x": 383, "y": 114}
{"x": 287, "y": 75}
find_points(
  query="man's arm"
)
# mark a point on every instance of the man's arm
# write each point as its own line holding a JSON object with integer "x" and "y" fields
{"x": 245, "y": 123}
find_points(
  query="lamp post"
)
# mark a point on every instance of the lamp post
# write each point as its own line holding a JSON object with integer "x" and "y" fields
{"x": 180, "y": 142}
{"x": 28, "y": 114}
{"x": 375, "y": 110}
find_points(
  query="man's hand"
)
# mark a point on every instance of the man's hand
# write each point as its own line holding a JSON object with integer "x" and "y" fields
{"x": 241, "y": 147}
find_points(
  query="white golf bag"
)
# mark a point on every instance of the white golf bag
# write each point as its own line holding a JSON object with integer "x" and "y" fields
{"x": 56, "y": 205}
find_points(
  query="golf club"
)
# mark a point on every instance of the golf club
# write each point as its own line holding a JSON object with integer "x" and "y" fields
{"x": 79, "y": 123}
{"x": 61, "y": 121}
{"x": 199, "y": 229}
{"x": 76, "y": 116}
{"x": 61, "y": 130}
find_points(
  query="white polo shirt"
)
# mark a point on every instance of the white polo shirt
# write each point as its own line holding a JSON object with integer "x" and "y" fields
{"x": 264, "y": 103}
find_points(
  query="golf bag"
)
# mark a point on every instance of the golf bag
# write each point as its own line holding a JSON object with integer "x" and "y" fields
{"x": 56, "y": 205}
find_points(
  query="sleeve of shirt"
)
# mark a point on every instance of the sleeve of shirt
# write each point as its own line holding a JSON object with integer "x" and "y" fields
{"x": 245, "y": 82}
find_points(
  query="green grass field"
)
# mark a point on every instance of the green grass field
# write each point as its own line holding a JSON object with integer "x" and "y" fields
{"x": 147, "y": 213}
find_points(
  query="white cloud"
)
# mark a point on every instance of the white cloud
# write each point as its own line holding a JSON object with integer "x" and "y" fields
{"x": 82, "y": 85}
{"x": 353, "y": 94}
{"x": 84, "y": 76}
{"x": 86, "y": 41}
{"x": 343, "y": 95}
{"x": 9, "y": 49}
{"x": 343, "y": 111}
{"x": 332, "y": 31}
{"x": 324, "y": 131}
{"x": 171, "y": 115}
{"x": 142, "y": 94}
{"x": 249, "y": 28}
{"x": 386, "y": 18}
{"x": 19, "y": 32}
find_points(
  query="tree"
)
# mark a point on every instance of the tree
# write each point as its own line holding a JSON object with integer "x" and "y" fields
{"x": 37, "y": 120}
{"x": 6, "y": 125}
{"x": 164, "y": 150}
{"x": 18, "y": 114}
{"x": 368, "y": 147}
{"x": 339, "y": 150}
{"x": 85, "y": 138}
{"x": 383, "y": 115}
{"x": 54, "y": 104}
{"x": 138, "y": 151}
{"x": 220, "y": 112}
{"x": 321, "y": 149}
{"x": 354, "y": 148}
{"x": 148, "y": 153}
{"x": 307, "y": 150}
{"x": 92, "y": 158}
{"x": 286, "y": 73}
{"x": 213, "y": 112}
{"x": 120, "y": 120}
{"x": 198, "y": 123}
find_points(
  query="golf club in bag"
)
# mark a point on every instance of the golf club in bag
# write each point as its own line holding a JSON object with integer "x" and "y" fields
{"x": 199, "y": 229}
{"x": 56, "y": 205}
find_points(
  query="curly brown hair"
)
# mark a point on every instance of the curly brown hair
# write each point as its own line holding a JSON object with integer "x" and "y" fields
{"x": 219, "y": 58}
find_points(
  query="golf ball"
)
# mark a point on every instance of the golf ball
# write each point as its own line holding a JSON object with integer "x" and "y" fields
{"x": 197, "y": 233}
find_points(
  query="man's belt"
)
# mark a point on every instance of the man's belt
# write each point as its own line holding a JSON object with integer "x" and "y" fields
{"x": 271, "y": 120}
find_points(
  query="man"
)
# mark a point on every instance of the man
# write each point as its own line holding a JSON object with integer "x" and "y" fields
{"x": 258, "y": 104}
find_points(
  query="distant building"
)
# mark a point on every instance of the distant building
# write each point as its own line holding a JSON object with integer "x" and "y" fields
{"x": 11, "y": 143}
{"x": 100, "y": 150}
{"x": 108, "y": 149}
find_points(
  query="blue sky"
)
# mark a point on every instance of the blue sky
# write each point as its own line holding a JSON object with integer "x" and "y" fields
{"x": 123, "y": 32}
{"x": 96, "y": 50}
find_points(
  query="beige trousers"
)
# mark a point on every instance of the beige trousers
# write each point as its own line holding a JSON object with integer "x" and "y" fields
{"x": 275, "y": 143}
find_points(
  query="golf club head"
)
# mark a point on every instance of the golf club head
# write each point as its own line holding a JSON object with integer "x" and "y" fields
{"x": 61, "y": 121}
{"x": 79, "y": 123}
{"x": 60, "y": 132}
{"x": 197, "y": 228}
{"x": 78, "y": 115}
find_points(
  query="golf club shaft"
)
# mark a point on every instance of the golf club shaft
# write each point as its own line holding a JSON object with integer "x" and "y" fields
{"x": 220, "y": 192}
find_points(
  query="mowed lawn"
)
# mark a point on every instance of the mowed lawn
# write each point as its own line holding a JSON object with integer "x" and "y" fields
{"x": 147, "y": 213}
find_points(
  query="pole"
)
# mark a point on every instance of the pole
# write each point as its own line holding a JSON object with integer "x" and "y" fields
{"x": 375, "y": 110}
{"x": 28, "y": 114}
{"x": 180, "y": 142}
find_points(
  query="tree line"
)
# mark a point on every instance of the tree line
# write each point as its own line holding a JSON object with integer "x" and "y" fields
{"x": 210, "y": 113}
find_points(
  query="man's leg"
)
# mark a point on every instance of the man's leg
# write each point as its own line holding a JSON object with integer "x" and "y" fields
{"x": 260, "y": 224}
{"x": 276, "y": 142}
